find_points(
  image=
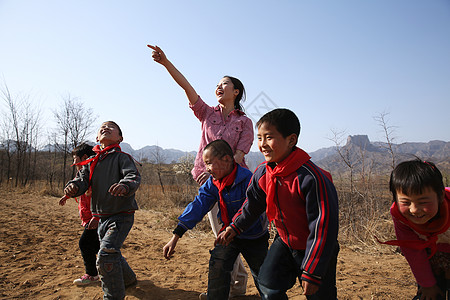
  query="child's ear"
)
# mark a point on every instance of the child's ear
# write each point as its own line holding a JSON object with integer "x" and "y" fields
{"x": 228, "y": 158}
{"x": 120, "y": 140}
{"x": 293, "y": 138}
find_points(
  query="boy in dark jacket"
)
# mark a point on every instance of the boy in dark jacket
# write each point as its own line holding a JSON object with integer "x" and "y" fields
{"x": 302, "y": 201}
{"x": 114, "y": 179}
{"x": 226, "y": 185}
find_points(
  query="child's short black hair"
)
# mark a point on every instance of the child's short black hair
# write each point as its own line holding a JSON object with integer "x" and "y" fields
{"x": 219, "y": 149}
{"x": 284, "y": 120}
{"x": 83, "y": 149}
{"x": 413, "y": 176}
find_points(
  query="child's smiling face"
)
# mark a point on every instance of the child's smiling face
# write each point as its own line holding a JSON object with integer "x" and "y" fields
{"x": 273, "y": 145}
{"x": 419, "y": 208}
{"x": 225, "y": 91}
{"x": 217, "y": 167}
{"x": 108, "y": 134}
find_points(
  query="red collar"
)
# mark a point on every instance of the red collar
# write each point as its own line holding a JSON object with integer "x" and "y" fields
{"x": 290, "y": 164}
{"x": 100, "y": 152}
{"x": 221, "y": 185}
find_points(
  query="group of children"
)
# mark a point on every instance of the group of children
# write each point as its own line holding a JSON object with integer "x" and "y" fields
{"x": 287, "y": 190}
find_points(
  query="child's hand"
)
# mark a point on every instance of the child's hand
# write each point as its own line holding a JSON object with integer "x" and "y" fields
{"x": 239, "y": 156}
{"x": 201, "y": 179}
{"x": 63, "y": 200}
{"x": 71, "y": 190}
{"x": 93, "y": 223}
{"x": 158, "y": 55}
{"x": 118, "y": 189}
{"x": 309, "y": 288}
{"x": 225, "y": 237}
{"x": 430, "y": 293}
{"x": 169, "y": 248}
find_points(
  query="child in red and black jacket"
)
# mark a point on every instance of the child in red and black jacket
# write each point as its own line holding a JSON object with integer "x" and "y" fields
{"x": 302, "y": 201}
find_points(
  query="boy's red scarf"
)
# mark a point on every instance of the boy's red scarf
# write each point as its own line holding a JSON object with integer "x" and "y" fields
{"x": 221, "y": 184}
{"x": 431, "y": 229}
{"x": 289, "y": 165}
{"x": 99, "y": 152}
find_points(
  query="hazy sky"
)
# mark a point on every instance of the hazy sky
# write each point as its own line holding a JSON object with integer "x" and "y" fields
{"x": 336, "y": 64}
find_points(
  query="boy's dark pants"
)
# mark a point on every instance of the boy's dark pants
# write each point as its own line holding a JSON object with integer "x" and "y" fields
{"x": 89, "y": 246}
{"x": 282, "y": 267}
{"x": 114, "y": 270}
{"x": 222, "y": 260}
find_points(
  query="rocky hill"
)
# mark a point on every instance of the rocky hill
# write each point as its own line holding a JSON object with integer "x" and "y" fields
{"x": 360, "y": 152}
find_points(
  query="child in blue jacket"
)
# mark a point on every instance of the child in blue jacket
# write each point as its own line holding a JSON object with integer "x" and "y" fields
{"x": 227, "y": 185}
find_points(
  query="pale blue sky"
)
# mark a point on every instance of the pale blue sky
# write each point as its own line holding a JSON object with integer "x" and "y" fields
{"x": 336, "y": 64}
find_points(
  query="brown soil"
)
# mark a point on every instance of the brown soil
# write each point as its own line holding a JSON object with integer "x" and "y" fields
{"x": 39, "y": 258}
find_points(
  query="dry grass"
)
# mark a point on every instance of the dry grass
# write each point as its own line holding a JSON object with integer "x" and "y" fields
{"x": 171, "y": 203}
{"x": 363, "y": 216}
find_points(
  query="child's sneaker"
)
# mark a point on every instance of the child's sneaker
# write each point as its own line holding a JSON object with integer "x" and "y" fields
{"x": 86, "y": 279}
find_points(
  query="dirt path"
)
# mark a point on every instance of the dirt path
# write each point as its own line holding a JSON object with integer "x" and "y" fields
{"x": 39, "y": 258}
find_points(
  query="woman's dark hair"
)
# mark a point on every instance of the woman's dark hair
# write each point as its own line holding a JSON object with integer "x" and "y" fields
{"x": 413, "y": 176}
{"x": 83, "y": 149}
{"x": 219, "y": 149}
{"x": 241, "y": 96}
{"x": 283, "y": 119}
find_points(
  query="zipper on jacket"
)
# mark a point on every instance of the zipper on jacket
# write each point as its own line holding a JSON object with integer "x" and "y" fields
{"x": 281, "y": 214}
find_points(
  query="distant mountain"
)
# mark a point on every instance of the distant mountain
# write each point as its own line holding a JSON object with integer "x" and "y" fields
{"x": 167, "y": 156}
{"x": 157, "y": 154}
{"x": 322, "y": 153}
{"x": 360, "y": 152}
{"x": 375, "y": 154}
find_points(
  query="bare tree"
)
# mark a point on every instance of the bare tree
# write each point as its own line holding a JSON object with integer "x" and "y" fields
{"x": 6, "y": 145}
{"x": 158, "y": 160}
{"x": 20, "y": 127}
{"x": 388, "y": 130}
{"x": 52, "y": 159}
{"x": 80, "y": 123}
{"x": 345, "y": 154}
{"x": 361, "y": 205}
{"x": 13, "y": 121}
{"x": 31, "y": 120}
{"x": 74, "y": 123}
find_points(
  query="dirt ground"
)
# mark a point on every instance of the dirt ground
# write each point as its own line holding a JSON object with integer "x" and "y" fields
{"x": 39, "y": 258}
